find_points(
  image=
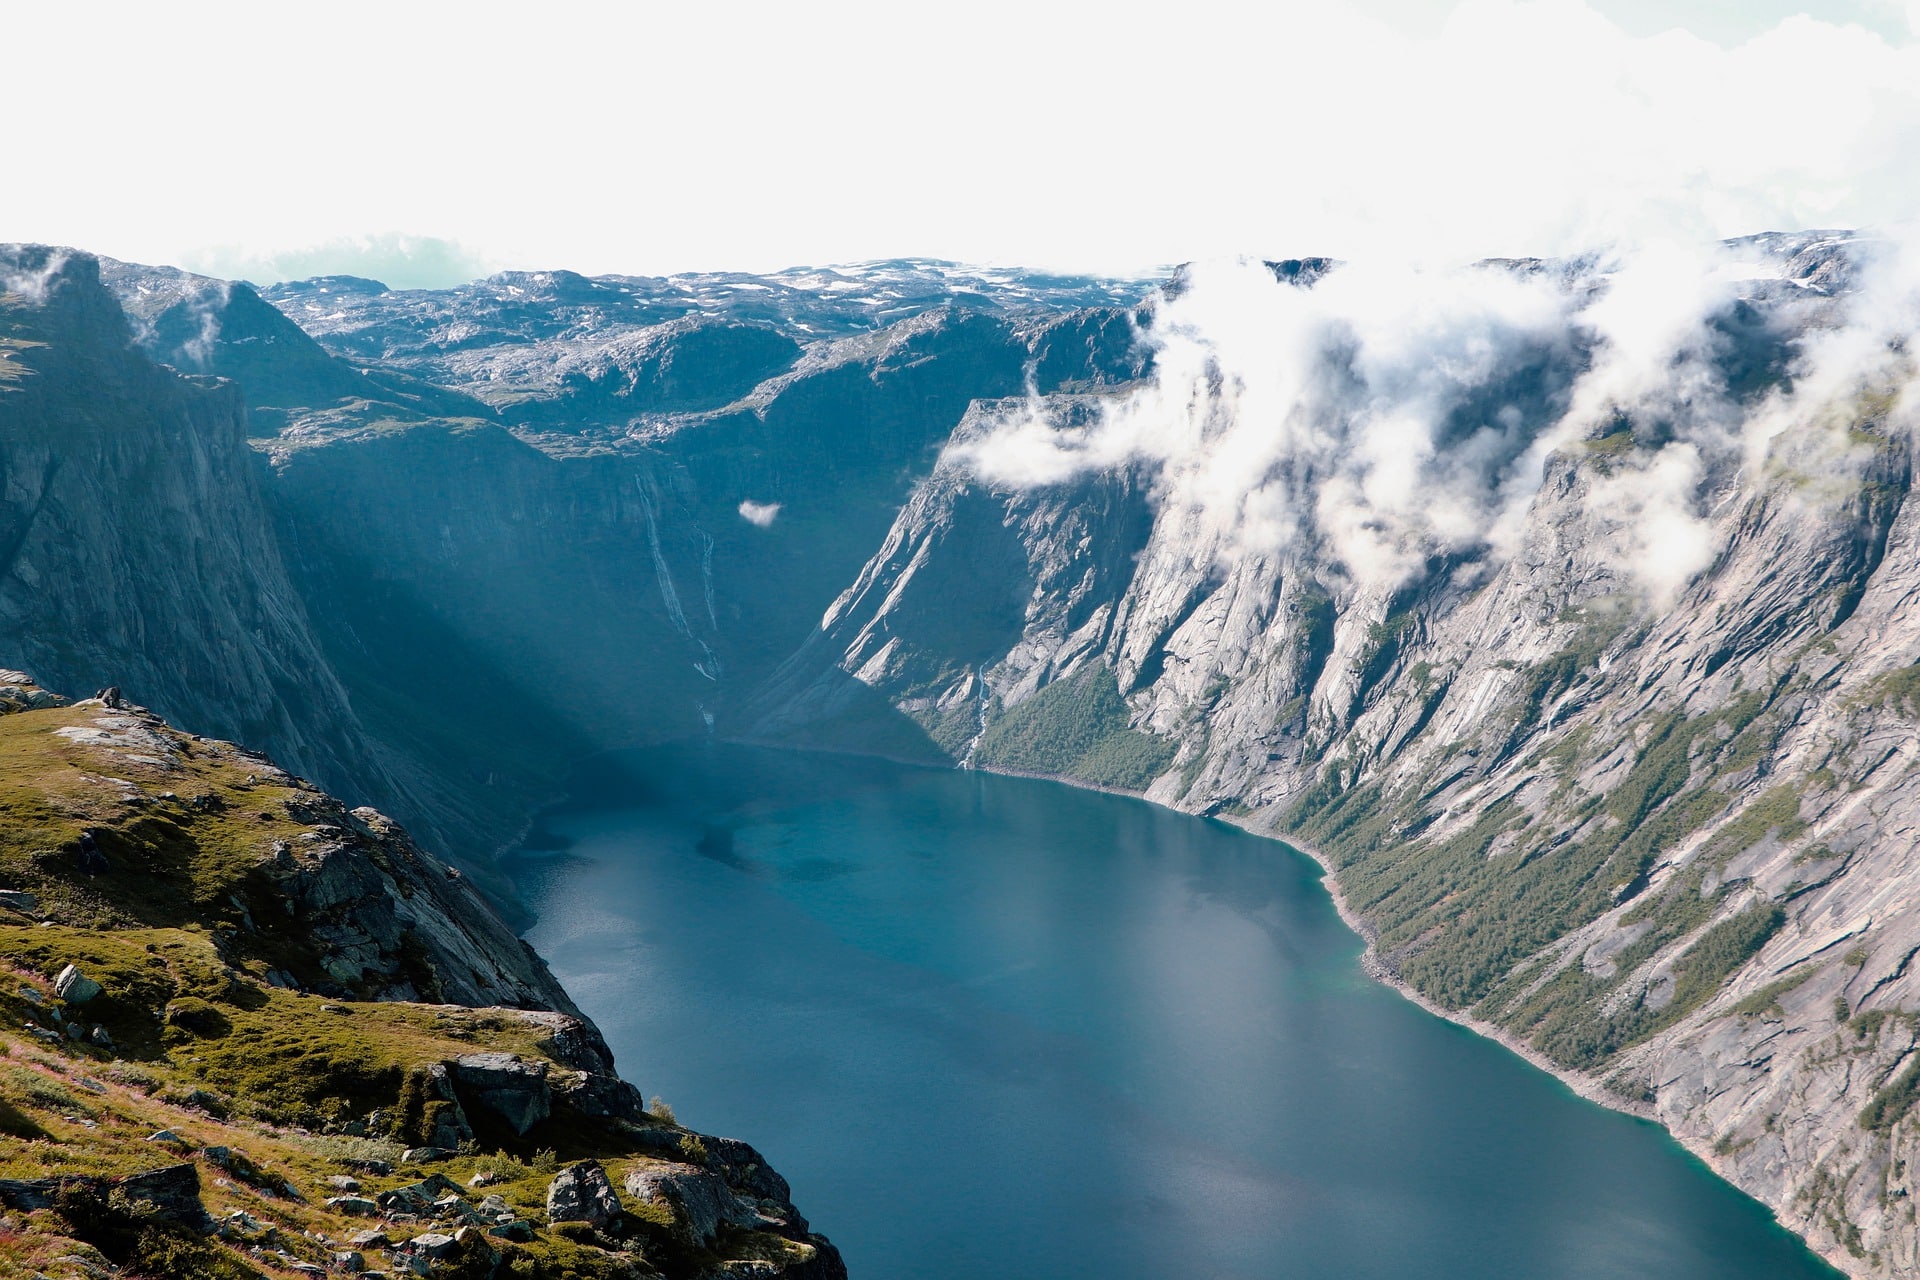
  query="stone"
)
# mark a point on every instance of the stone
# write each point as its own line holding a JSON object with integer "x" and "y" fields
{"x": 450, "y": 1126}
{"x": 699, "y": 1202}
{"x": 74, "y": 986}
{"x": 165, "y": 1135}
{"x": 19, "y": 900}
{"x": 424, "y": 1155}
{"x": 341, "y": 1182}
{"x": 354, "y": 1206}
{"x": 369, "y": 1239}
{"x": 454, "y": 1206}
{"x": 420, "y": 1253}
{"x": 511, "y": 1087}
{"x": 419, "y": 1197}
{"x": 173, "y": 1191}
{"x": 582, "y": 1193}
{"x": 350, "y": 1260}
{"x": 100, "y": 1037}
{"x": 518, "y": 1230}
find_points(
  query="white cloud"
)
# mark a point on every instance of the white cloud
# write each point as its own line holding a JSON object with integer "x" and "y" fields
{"x": 1350, "y": 411}
{"x": 1392, "y": 413}
{"x": 399, "y": 261}
{"x": 759, "y": 514}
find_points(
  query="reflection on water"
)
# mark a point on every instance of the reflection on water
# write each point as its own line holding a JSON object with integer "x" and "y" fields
{"x": 997, "y": 1027}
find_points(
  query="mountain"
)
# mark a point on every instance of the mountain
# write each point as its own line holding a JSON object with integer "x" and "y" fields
{"x": 1659, "y": 845}
{"x": 1560, "y": 608}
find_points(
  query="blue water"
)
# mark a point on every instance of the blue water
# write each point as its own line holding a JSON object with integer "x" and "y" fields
{"x": 999, "y": 1028}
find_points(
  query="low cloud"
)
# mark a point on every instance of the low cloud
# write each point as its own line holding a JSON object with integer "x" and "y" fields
{"x": 27, "y": 270}
{"x": 1388, "y": 414}
{"x": 761, "y": 514}
{"x": 399, "y": 261}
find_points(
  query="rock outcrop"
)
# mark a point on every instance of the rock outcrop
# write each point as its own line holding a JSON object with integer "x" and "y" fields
{"x": 297, "y": 997}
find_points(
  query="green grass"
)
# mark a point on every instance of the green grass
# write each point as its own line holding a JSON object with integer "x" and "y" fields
{"x": 1899, "y": 690}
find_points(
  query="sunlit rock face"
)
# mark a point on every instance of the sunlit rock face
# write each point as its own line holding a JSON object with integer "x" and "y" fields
{"x": 1567, "y": 616}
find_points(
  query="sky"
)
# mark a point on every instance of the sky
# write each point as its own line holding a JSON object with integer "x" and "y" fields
{"x": 425, "y": 143}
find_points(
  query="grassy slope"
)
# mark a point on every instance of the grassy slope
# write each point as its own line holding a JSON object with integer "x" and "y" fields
{"x": 288, "y": 1079}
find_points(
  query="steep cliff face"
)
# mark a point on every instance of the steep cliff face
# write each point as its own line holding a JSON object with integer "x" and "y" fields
{"x": 639, "y": 510}
{"x": 623, "y": 582}
{"x": 138, "y": 547}
{"x": 1639, "y": 806}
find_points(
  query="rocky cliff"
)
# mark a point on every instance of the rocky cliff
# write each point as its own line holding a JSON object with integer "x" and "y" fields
{"x": 252, "y": 1032}
{"x": 1623, "y": 781}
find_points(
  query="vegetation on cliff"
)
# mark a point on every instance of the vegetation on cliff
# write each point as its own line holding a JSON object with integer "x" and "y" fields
{"x": 217, "y": 1058}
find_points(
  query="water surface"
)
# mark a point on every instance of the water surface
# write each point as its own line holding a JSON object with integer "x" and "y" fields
{"x": 995, "y": 1027}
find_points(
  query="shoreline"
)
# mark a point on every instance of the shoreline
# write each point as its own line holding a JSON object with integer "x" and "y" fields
{"x": 1582, "y": 1085}
{"x": 1589, "y": 1087}
{"x": 1586, "y": 1087}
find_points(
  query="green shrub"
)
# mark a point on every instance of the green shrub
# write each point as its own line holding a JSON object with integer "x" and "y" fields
{"x": 1077, "y": 728}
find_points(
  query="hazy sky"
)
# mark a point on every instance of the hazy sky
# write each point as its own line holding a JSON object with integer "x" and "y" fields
{"x": 428, "y": 142}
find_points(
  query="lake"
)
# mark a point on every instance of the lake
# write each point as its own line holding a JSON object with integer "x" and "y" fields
{"x": 998, "y": 1027}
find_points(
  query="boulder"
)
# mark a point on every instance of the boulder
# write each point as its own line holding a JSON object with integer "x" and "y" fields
{"x": 419, "y": 1198}
{"x": 698, "y": 1201}
{"x": 420, "y": 1253}
{"x": 443, "y": 1121}
{"x": 582, "y": 1193}
{"x": 74, "y": 986}
{"x": 353, "y": 1206}
{"x": 171, "y": 1192}
{"x": 509, "y": 1086}
{"x": 19, "y": 900}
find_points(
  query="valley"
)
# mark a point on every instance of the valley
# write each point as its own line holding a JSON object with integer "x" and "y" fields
{"x": 1594, "y": 692}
